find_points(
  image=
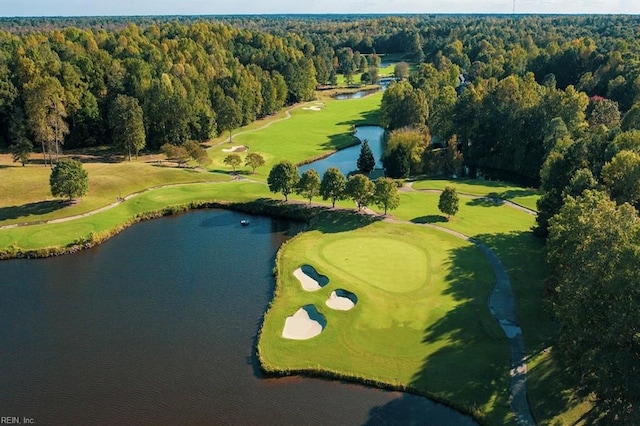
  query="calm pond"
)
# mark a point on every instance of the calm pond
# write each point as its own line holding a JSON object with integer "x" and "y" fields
{"x": 158, "y": 326}
{"x": 346, "y": 159}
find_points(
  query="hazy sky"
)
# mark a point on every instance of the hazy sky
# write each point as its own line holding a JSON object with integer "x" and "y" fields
{"x": 219, "y": 7}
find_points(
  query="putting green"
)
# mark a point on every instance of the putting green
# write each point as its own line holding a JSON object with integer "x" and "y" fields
{"x": 421, "y": 320}
{"x": 392, "y": 265}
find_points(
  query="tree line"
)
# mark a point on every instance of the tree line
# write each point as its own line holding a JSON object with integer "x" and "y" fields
{"x": 334, "y": 186}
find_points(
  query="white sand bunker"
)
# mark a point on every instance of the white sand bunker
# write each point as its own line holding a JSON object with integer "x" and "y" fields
{"x": 313, "y": 108}
{"x": 342, "y": 300}
{"x": 306, "y": 323}
{"x": 236, "y": 148}
{"x": 309, "y": 278}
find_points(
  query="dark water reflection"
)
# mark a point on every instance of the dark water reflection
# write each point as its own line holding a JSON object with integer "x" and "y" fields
{"x": 158, "y": 326}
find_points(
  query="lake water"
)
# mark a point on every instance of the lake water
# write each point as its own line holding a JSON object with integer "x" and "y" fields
{"x": 158, "y": 326}
{"x": 346, "y": 159}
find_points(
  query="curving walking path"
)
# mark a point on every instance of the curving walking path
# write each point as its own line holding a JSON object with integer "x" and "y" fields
{"x": 409, "y": 186}
{"x": 503, "y": 308}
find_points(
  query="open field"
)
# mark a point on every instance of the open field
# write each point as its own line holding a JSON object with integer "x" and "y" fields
{"x": 421, "y": 314}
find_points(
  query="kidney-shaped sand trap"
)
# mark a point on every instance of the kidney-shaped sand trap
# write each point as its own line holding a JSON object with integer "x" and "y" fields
{"x": 309, "y": 278}
{"x": 306, "y": 323}
{"x": 236, "y": 148}
{"x": 342, "y": 300}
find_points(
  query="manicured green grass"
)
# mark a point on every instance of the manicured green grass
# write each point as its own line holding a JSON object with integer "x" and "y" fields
{"x": 475, "y": 217}
{"x": 309, "y": 133}
{"x": 526, "y": 197}
{"x": 421, "y": 319}
{"x": 28, "y": 197}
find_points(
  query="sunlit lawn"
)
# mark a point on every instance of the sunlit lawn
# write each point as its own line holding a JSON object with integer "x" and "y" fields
{"x": 420, "y": 321}
{"x": 309, "y": 133}
{"x": 526, "y": 197}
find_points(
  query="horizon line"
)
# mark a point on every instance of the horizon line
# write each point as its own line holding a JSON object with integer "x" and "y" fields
{"x": 327, "y": 14}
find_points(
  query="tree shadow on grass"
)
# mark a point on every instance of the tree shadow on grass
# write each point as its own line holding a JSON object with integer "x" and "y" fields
{"x": 486, "y": 202}
{"x": 432, "y": 218}
{"x": 513, "y": 193}
{"x": 469, "y": 369}
{"x": 340, "y": 141}
{"x": 334, "y": 221}
{"x": 551, "y": 390}
{"x": 31, "y": 209}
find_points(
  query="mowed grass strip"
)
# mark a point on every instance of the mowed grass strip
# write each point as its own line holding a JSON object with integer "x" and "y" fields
{"x": 428, "y": 330}
{"x": 526, "y": 197}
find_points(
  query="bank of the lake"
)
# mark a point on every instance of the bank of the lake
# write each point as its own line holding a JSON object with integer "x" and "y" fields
{"x": 158, "y": 326}
{"x": 420, "y": 314}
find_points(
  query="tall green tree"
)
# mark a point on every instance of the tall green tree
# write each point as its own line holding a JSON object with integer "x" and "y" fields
{"x": 309, "y": 185}
{"x": 68, "y": 178}
{"x": 593, "y": 254}
{"x": 386, "y": 194}
{"x": 22, "y": 146}
{"x": 254, "y": 160}
{"x": 332, "y": 186}
{"x": 127, "y": 125}
{"x": 366, "y": 162}
{"x": 233, "y": 160}
{"x": 402, "y": 105}
{"x": 622, "y": 177}
{"x": 453, "y": 158}
{"x": 229, "y": 116}
{"x": 448, "y": 202}
{"x": 397, "y": 163}
{"x": 44, "y": 105}
{"x": 360, "y": 189}
{"x": 21, "y": 151}
{"x": 283, "y": 178}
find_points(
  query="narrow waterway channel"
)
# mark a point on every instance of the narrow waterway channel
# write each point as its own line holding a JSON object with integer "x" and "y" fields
{"x": 346, "y": 159}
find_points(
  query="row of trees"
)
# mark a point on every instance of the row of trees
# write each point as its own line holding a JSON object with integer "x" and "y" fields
{"x": 383, "y": 192}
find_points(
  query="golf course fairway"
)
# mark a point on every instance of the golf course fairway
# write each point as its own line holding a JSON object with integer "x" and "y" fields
{"x": 421, "y": 322}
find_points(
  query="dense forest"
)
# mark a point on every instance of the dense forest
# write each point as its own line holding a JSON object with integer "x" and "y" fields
{"x": 553, "y": 101}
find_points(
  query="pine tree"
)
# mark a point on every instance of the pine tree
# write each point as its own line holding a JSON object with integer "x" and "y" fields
{"x": 366, "y": 162}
